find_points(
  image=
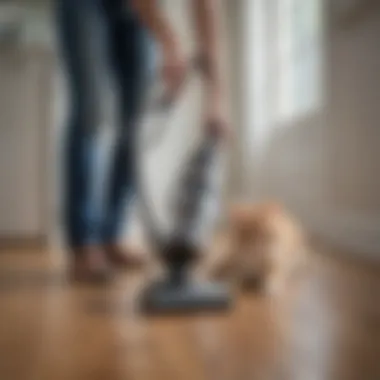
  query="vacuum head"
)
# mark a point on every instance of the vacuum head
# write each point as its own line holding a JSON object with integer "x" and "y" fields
{"x": 173, "y": 297}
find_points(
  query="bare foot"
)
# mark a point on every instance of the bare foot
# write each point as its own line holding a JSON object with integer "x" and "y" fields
{"x": 90, "y": 265}
{"x": 125, "y": 256}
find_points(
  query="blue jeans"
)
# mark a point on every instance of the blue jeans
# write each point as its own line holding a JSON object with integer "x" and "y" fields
{"x": 91, "y": 31}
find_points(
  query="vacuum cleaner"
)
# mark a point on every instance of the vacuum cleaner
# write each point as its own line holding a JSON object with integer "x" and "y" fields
{"x": 179, "y": 248}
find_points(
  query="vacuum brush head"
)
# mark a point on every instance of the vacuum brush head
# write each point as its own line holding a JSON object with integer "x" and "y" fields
{"x": 173, "y": 297}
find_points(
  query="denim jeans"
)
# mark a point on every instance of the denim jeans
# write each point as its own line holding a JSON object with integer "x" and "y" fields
{"x": 91, "y": 31}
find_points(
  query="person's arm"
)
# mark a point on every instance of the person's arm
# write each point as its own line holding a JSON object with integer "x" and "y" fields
{"x": 174, "y": 65}
{"x": 208, "y": 31}
{"x": 207, "y": 22}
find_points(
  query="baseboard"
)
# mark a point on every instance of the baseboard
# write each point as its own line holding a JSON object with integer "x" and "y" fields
{"x": 15, "y": 242}
{"x": 355, "y": 235}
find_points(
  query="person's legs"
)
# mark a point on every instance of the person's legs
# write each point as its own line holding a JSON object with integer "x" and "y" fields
{"x": 78, "y": 32}
{"x": 131, "y": 58}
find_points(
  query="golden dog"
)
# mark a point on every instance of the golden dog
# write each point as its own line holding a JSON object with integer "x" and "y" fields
{"x": 265, "y": 245}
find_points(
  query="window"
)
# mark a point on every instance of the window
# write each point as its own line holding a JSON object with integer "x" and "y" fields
{"x": 282, "y": 64}
{"x": 299, "y": 51}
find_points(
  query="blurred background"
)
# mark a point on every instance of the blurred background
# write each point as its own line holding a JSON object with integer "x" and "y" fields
{"x": 304, "y": 88}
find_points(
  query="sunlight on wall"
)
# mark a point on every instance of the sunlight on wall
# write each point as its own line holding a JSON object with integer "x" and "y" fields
{"x": 286, "y": 60}
{"x": 283, "y": 71}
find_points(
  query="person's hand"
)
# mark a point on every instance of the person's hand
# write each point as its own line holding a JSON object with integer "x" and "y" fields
{"x": 174, "y": 70}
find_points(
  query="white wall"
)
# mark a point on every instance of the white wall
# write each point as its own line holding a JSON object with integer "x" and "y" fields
{"x": 325, "y": 167}
{"x": 25, "y": 72}
{"x": 354, "y": 116}
{"x": 19, "y": 145}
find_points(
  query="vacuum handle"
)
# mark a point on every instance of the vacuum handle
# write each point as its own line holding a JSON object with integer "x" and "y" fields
{"x": 159, "y": 104}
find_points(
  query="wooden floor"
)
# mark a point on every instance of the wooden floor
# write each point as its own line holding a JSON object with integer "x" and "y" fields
{"x": 328, "y": 327}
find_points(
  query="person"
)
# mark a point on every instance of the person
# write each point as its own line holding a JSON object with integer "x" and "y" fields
{"x": 121, "y": 33}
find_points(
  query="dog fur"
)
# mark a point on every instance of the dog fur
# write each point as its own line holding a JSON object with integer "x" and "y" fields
{"x": 265, "y": 246}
